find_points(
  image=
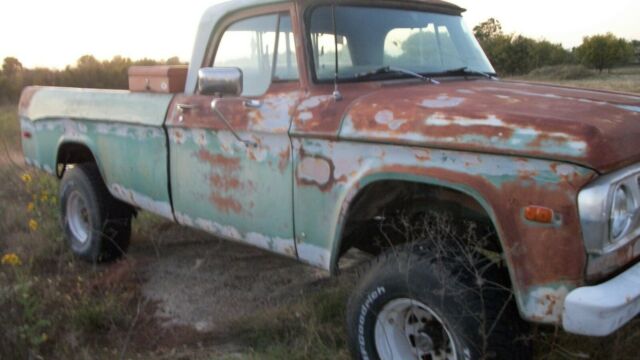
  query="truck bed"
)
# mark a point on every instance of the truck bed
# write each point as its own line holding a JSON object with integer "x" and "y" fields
{"x": 115, "y": 124}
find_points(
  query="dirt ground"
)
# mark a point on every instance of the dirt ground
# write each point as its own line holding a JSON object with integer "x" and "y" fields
{"x": 207, "y": 283}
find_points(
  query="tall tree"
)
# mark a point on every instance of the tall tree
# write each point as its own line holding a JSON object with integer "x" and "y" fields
{"x": 488, "y": 29}
{"x": 11, "y": 67}
{"x": 604, "y": 51}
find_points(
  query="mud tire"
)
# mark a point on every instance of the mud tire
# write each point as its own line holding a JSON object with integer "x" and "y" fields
{"x": 450, "y": 292}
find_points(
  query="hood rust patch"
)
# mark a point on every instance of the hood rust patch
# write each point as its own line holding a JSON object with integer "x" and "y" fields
{"x": 593, "y": 128}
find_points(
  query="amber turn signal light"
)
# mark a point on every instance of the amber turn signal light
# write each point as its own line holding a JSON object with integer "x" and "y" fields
{"x": 538, "y": 214}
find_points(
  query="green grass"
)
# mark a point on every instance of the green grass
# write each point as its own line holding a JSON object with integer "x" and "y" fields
{"x": 9, "y": 127}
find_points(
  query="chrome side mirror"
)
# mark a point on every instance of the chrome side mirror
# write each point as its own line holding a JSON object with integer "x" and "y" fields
{"x": 224, "y": 81}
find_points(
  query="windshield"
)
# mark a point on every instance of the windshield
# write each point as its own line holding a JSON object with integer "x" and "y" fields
{"x": 371, "y": 38}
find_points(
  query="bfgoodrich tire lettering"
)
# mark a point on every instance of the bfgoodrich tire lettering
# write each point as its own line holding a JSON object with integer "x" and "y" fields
{"x": 97, "y": 226}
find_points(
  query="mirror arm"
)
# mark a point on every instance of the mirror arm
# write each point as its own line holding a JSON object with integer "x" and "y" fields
{"x": 247, "y": 143}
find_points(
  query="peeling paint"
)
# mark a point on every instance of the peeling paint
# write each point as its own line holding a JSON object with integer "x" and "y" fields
{"x": 142, "y": 201}
{"x": 314, "y": 255}
{"x": 314, "y": 102}
{"x": 442, "y": 102}
{"x": 212, "y": 227}
{"x": 545, "y": 304}
{"x": 305, "y": 116}
{"x": 315, "y": 170}
{"x": 386, "y": 117}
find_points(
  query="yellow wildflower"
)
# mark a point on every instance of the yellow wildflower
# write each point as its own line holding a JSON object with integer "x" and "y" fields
{"x": 11, "y": 259}
{"x": 30, "y": 207}
{"x": 26, "y": 178}
{"x": 33, "y": 225}
{"x": 44, "y": 196}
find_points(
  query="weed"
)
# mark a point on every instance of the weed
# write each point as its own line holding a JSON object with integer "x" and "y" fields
{"x": 309, "y": 329}
{"x": 97, "y": 315}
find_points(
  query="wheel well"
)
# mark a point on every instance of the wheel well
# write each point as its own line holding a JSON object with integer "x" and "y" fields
{"x": 73, "y": 153}
{"x": 385, "y": 200}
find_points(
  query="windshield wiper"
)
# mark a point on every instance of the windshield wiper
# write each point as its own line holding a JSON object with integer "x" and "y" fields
{"x": 393, "y": 70}
{"x": 466, "y": 71}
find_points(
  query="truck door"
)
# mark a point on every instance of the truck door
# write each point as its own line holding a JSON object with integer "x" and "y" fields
{"x": 234, "y": 179}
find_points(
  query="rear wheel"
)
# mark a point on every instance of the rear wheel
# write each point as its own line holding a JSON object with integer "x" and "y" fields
{"x": 97, "y": 226}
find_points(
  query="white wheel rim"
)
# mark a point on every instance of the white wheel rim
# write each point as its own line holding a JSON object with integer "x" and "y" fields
{"x": 408, "y": 329}
{"x": 78, "y": 217}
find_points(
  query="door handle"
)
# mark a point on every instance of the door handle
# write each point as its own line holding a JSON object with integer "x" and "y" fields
{"x": 185, "y": 107}
{"x": 252, "y": 103}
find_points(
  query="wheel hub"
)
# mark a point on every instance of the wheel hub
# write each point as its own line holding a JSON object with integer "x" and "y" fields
{"x": 78, "y": 218}
{"x": 406, "y": 329}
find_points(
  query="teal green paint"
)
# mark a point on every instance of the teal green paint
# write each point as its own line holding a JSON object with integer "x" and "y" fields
{"x": 132, "y": 157}
{"x": 520, "y": 142}
{"x": 99, "y": 105}
{"x": 263, "y": 190}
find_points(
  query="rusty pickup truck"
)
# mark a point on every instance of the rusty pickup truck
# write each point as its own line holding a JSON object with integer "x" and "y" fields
{"x": 309, "y": 128}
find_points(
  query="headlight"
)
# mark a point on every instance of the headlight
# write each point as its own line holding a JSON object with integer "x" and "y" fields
{"x": 609, "y": 211}
{"x": 622, "y": 210}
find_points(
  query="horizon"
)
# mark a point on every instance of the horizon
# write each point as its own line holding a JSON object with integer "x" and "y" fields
{"x": 138, "y": 37}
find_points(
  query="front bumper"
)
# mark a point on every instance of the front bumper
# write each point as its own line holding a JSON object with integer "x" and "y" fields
{"x": 602, "y": 309}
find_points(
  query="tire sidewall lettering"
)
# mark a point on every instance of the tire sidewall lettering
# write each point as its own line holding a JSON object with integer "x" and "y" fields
{"x": 365, "y": 311}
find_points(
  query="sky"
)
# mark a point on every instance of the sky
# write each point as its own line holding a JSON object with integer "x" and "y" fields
{"x": 56, "y": 33}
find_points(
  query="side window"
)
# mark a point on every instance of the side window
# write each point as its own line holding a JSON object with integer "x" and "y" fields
{"x": 251, "y": 44}
{"x": 286, "y": 64}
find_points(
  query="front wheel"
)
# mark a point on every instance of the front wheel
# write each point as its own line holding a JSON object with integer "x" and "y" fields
{"x": 97, "y": 226}
{"x": 414, "y": 305}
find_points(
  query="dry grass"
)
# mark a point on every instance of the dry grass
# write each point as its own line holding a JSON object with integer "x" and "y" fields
{"x": 622, "y": 79}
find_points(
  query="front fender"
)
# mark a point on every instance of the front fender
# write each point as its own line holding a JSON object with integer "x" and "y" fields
{"x": 545, "y": 262}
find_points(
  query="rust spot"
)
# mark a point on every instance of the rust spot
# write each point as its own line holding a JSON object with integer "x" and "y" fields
{"x": 285, "y": 158}
{"x": 551, "y": 300}
{"x": 316, "y": 171}
{"x": 227, "y": 163}
{"x": 178, "y": 135}
{"x": 423, "y": 155}
{"x": 224, "y": 183}
{"x": 226, "y": 204}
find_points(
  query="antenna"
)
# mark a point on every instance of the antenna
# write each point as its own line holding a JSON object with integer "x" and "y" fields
{"x": 336, "y": 93}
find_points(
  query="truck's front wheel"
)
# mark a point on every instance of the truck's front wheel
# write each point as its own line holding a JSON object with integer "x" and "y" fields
{"x": 413, "y": 304}
{"x": 97, "y": 226}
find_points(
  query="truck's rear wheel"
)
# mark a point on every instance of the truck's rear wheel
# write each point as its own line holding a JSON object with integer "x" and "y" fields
{"x": 415, "y": 305}
{"x": 97, "y": 226}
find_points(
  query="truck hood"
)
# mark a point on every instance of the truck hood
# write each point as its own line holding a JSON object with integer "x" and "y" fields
{"x": 596, "y": 129}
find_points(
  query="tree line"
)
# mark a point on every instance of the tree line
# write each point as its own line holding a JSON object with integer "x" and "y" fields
{"x": 513, "y": 54}
{"x": 510, "y": 54}
{"x": 88, "y": 72}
